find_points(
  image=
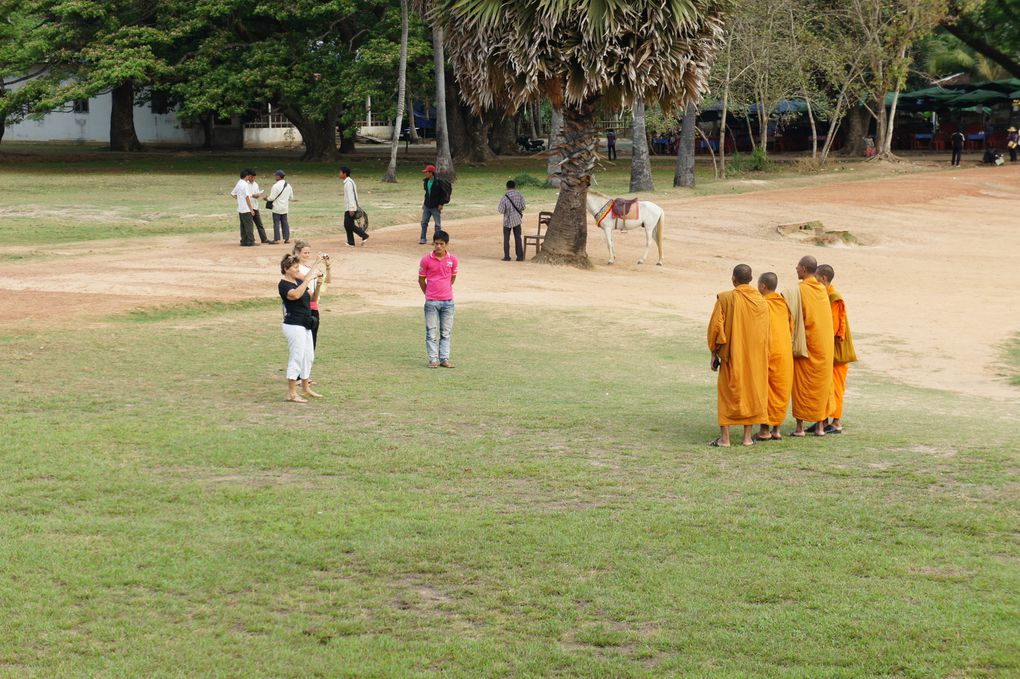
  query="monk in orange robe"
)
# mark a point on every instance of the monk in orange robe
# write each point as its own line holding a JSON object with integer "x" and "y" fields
{"x": 780, "y": 358}
{"x": 843, "y": 350}
{"x": 812, "y": 347}
{"x": 738, "y": 337}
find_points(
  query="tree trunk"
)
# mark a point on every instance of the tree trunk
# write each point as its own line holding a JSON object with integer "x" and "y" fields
{"x": 537, "y": 108}
{"x": 391, "y": 171}
{"x": 318, "y": 136}
{"x": 532, "y": 126}
{"x": 814, "y": 127}
{"x": 552, "y": 165}
{"x": 207, "y": 120}
{"x": 886, "y": 150}
{"x": 856, "y": 131}
{"x": 567, "y": 235}
{"x": 468, "y": 133}
{"x": 640, "y": 162}
{"x": 122, "y": 119}
{"x": 444, "y": 159}
{"x": 502, "y": 141}
{"x": 684, "y": 174}
{"x": 412, "y": 130}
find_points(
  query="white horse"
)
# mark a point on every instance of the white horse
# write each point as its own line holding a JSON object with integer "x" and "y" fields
{"x": 651, "y": 219}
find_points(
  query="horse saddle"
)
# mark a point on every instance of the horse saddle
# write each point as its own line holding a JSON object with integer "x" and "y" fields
{"x": 624, "y": 208}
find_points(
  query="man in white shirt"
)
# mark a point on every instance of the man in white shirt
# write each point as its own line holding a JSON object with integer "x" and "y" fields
{"x": 245, "y": 211}
{"x": 279, "y": 202}
{"x": 256, "y": 193}
{"x": 351, "y": 206}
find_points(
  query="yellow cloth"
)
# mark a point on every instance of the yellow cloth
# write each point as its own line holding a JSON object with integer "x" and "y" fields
{"x": 812, "y": 374}
{"x": 839, "y": 371}
{"x": 844, "y": 352}
{"x": 738, "y": 333}
{"x": 780, "y": 359}
{"x": 797, "y": 314}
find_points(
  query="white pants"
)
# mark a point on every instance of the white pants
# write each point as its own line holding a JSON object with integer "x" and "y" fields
{"x": 302, "y": 351}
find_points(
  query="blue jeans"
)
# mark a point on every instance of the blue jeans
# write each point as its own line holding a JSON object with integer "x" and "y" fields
{"x": 437, "y": 220}
{"x": 438, "y": 326}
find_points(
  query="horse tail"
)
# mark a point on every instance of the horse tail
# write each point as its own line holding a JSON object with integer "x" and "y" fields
{"x": 658, "y": 231}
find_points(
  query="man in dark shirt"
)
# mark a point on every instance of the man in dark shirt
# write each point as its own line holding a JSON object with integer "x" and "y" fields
{"x": 957, "y": 139}
{"x": 437, "y": 194}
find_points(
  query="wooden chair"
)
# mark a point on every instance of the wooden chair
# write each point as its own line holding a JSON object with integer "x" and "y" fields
{"x": 543, "y": 223}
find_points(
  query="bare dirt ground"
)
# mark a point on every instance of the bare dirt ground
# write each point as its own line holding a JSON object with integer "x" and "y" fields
{"x": 929, "y": 289}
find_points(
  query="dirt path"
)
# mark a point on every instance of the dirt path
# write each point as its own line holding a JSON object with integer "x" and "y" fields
{"x": 928, "y": 290}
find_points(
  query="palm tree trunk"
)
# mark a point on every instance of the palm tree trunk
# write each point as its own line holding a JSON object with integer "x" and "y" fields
{"x": 391, "y": 172}
{"x": 412, "y": 131}
{"x": 640, "y": 162}
{"x": 552, "y": 165}
{"x": 567, "y": 236}
{"x": 684, "y": 174}
{"x": 444, "y": 159}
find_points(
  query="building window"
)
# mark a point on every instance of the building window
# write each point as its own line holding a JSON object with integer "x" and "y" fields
{"x": 160, "y": 103}
{"x": 80, "y": 106}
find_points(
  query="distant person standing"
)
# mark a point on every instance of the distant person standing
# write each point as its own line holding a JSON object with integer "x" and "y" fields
{"x": 351, "y": 206}
{"x": 437, "y": 273}
{"x": 279, "y": 203}
{"x": 512, "y": 208}
{"x": 256, "y": 193}
{"x": 1011, "y": 143}
{"x": 611, "y": 144}
{"x": 957, "y": 139}
{"x": 437, "y": 194}
{"x": 245, "y": 211}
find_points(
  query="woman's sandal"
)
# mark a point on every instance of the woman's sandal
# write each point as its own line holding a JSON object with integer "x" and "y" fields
{"x": 715, "y": 443}
{"x": 296, "y": 399}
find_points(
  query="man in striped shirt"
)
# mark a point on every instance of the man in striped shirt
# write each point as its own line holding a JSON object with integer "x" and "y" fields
{"x": 512, "y": 208}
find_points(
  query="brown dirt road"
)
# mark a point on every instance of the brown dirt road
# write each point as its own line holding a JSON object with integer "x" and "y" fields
{"x": 929, "y": 290}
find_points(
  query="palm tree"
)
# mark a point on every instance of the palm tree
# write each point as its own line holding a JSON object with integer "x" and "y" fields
{"x": 640, "y": 161}
{"x": 580, "y": 55}
{"x": 391, "y": 171}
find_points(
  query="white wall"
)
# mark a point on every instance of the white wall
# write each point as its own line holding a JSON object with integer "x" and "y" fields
{"x": 94, "y": 126}
{"x": 271, "y": 137}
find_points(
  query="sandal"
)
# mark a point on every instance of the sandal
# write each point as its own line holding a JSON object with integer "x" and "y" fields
{"x": 715, "y": 443}
{"x": 296, "y": 399}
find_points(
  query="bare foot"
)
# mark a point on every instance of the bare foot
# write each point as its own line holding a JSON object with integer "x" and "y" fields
{"x": 311, "y": 394}
{"x": 296, "y": 399}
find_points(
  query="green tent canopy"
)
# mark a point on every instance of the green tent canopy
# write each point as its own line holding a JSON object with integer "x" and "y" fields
{"x": 979, "y": 96}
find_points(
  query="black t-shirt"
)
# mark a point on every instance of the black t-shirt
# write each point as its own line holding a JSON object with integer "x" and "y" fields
{"x": 296, "y": 311}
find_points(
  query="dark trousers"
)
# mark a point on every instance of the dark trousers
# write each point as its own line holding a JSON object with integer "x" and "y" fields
{"x": 1012, "y": 155}
{"x": 315, "y": 328}
{"x": 280, "y": 223}
{"x": 611, "y": 149}
{"x": 247, "y": 228}
{"x": 518, "y": 246}
{"x": 262, "y": 229}
{"x": 351, "y": 228}
{"x": 956, "y": 155}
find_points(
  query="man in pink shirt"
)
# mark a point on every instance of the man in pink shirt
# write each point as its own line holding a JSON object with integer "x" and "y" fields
{"x": 436, "y": 275}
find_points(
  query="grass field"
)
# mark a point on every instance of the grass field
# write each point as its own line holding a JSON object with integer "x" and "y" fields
{"x": 164, "y": 513}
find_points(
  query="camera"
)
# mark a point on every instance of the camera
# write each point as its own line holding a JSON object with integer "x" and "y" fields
{"x": 323, "y": 255}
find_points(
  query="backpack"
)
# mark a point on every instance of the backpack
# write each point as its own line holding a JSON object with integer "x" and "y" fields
{"x": 445, "y": 189}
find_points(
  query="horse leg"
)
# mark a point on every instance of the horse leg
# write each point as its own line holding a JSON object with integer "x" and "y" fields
{"x": 648, "y": 242}
{"x": 608, "y": 231}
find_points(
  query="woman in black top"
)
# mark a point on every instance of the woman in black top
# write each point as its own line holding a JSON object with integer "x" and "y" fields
{"x": 297, "y": 325}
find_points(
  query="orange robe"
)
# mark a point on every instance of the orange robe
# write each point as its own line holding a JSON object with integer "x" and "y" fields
{"x": 780, "y": 359}
{"x": 738, "y": 333}
{"x": 841, "y": 335}
{"x": 812, "y": 374}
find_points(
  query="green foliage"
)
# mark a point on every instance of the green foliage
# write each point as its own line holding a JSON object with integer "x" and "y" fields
{"x": 756, "y": 161}
{"x": 526, "y": 179}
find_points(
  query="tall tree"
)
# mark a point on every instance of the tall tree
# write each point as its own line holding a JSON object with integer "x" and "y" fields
{"x": 391, "y": 170}
{"x": 684, "y": 173}
{"x": 580, "y": 56}
{"x": 640, "y": 161}
{"x": 444, "y": 159}
{"x": 989, "y": 27}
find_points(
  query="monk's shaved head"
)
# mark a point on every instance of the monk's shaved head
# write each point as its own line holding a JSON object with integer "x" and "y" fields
{"x": 808, "y": 263}
{"x": 769, "y": 281}
{"x": 825, "y": 271}
{"x": 741, "y": 274}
